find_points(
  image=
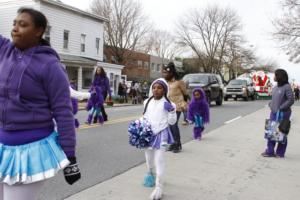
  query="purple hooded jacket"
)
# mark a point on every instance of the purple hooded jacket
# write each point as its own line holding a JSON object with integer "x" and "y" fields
{"x": 103, "y": 83}
{"x": 96, "y": 100}
{"x": 34, "y": 90}
{"x": 199, "y": 106}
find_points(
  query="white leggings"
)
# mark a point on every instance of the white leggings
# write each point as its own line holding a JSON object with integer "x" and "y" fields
{"x": 20, "y": 192}
{"x": 156, "y": 159}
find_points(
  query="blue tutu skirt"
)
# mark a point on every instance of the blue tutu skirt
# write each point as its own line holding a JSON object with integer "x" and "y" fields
{"x": 162, "y": 138}
{"x": 28, "y": 163}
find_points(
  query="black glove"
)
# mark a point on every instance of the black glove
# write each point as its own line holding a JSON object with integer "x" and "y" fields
{"x": 72, "y": 172}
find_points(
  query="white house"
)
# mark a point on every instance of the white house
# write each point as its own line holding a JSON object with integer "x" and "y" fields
{"x": 76, "y": 35}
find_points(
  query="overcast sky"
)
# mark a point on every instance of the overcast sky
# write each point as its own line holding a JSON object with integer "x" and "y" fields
{"x": 255, "y": 16}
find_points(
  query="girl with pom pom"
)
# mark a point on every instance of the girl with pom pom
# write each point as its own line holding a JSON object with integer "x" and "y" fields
{"x": 94, "y": 105}
{"x": 160, "y": 113}
{"x": 198, "y": 112}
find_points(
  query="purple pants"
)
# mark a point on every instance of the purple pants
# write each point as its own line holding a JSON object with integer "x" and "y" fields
{"x": 281, "y": 147}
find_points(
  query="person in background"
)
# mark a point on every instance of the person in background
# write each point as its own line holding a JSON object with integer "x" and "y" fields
{"x": 74, "y": 104}
{"x": 198, "y": 112}
{"x": 75, "y": 97}
{"x": 282, "y": 100}
{"x": 177, "y": 94}
{"x": 296, "y": 92}
{"x": 34, "y": 91}
{"x": 101, "y": 80}
{"x": 94, "y": 106}
{"x": 125, "y": 91}
{"x": 121, "y": 92}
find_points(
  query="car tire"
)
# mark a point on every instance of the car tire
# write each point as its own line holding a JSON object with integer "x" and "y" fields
{"x": 225, "y": 98}
{"x": 219, "y": 101}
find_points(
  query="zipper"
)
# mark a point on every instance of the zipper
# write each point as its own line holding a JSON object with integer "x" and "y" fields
{"x": 9, "y": 77}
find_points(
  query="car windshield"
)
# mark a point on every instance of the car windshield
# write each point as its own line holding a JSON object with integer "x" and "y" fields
{"x": 196, "y": 78}
{"x": 237, "y": 82}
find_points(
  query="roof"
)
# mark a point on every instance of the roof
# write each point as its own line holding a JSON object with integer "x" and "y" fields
{"x": 77, "y": 59}
{"x": 73, "y": 9}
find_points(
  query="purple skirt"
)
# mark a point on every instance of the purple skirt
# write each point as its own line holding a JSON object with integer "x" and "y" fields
{"x": 161, "y": 139}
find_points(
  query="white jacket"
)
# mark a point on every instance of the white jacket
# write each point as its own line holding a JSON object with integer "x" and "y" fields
{"x": 158, "y": 117}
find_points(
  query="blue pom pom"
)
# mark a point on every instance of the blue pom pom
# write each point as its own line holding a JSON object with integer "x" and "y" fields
{"x": 140, "y": 133}
{"x": 149, "y": 180}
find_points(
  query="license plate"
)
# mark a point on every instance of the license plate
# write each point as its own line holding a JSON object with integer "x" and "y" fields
{"x": 233, "y": 96}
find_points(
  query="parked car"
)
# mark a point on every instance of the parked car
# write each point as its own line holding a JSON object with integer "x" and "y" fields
{"x": 211, "y": 83}
{"x": 239, "y": 88}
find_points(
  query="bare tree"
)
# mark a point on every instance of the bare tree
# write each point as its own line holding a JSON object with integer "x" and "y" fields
{"x": 164, "y": 45}
{"x": 126, "y": 28}
{"x": 287, "y": 29}
{"x": 207, "y": 32}
{"x": 238, "y": 58}
{"x": 268, "y": 65}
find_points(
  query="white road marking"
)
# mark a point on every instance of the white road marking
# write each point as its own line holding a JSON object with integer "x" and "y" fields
{"x": 232, "y": 120}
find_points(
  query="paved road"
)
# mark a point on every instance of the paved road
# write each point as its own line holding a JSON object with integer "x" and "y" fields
{"x": 103, "y": 151}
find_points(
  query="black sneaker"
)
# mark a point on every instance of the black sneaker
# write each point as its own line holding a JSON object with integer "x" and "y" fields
{"x": 170, "y": 148}
{"x": 176, "y": 149}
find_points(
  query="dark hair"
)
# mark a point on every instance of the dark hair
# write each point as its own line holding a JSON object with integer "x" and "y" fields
{"x": 39, "y": 20}
{"x": 282, "y": 77}
{"x": 102, "y": 73}
{"x": 170, "y": 67}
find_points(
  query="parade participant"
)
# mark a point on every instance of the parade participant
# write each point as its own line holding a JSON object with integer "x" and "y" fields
{"x": 198, "y": 112}
{"x": 94, "y": 105}
{"x": 34, "y": 90}
{"x": 101, "y": 80}
{"x": 282, "y": 100}
{"x": 74, "y": 107}
{"x": 177, "y": 94}
{"x": 160, "y": 112}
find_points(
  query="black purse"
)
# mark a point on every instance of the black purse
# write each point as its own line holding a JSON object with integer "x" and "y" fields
{"x": 284, "y": 126}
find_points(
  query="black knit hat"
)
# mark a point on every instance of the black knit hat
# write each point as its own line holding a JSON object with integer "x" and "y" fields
{"x": 170, "y": 67}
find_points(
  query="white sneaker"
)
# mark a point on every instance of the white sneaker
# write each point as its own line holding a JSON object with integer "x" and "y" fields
{"x": 156, "y": 194}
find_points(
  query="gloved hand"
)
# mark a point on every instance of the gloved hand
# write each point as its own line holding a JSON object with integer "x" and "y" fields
{"x": 168, "y": 106}
{"x": 72, "y": 172}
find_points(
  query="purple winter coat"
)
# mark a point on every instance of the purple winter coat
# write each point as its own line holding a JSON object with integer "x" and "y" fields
{"x": 34, "y": 89}
{"x": 103, "y": 83}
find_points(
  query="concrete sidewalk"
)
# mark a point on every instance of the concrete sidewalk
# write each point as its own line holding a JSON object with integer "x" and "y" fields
{"x": 225, "y": 165}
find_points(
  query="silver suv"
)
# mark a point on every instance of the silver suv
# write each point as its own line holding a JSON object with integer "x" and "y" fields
{"x": 239, "y": 88}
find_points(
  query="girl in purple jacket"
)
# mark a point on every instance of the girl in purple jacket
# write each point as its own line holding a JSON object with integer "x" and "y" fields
{"x": 198, "y": 112}
{"x": 34, "y": 91}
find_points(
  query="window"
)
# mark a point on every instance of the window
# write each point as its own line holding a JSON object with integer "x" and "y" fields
{"x": 82, "y": 42}
{"x": 47, "y": 34}
{"x": 97, "y": 45}
{"x": 158, "y": 67}
{"x": 113, "y": 59}
{"x": 87, "y": 75}
{"x": 140, "y": 63}
{"x": 152, "y": 66}
{"x": 66, "y": 39}
{"x": 146, "y": 65}
{"x": 111, "y": 79}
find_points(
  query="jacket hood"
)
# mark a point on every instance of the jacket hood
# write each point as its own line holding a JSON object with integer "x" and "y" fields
{"x": 161, "y": 81}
